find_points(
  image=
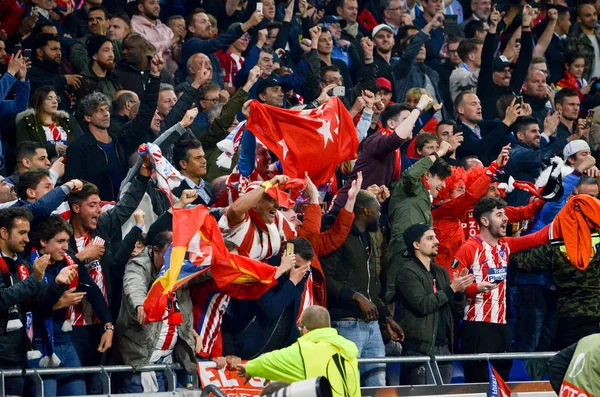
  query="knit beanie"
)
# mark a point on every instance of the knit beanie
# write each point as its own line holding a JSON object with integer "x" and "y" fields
{"x": 94, "y": 43}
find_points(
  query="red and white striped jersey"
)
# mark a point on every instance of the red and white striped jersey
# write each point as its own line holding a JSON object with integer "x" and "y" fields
{"x": 209, "y": 307}
{"x": 490, "y": 264}
{"x": 254, "y": 241}
{"x": 167, "y": 338}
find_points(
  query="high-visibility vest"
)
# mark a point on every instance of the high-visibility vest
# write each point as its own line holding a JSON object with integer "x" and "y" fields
{"x": 324, "y": 359}
{"x": 583, "y": 376}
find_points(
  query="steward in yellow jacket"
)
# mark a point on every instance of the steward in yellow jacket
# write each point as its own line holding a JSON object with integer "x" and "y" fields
{"x": 320, "y": 351}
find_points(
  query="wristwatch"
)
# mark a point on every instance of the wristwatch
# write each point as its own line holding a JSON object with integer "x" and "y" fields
{"x": 109, "y": 327}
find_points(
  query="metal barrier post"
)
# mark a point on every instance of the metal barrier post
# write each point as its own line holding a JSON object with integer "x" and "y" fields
{"x": 435, "y": 369}
{"x": 39, "y": 382}
{"x": 433, "y": 375}
{"x": 171, "y": 378}
{"x": 106, "y": 381}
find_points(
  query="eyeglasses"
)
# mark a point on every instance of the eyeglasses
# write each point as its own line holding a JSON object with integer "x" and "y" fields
{"x": 213, "y": 100}
{"x": 394, "y": 9}
{"x": 53, "y": 98}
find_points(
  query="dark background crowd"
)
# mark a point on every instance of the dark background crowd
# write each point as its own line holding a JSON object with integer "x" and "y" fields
{"x": 476, "y": 126}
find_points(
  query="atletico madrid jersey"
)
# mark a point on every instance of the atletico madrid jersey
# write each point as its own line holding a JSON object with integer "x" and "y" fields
{"x": 490, "y": 264}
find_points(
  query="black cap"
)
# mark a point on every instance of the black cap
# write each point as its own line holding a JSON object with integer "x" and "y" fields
{"x": 94, "y": 43}
{"x": 266, "y": 83}
{"x": 333, "y": 19}
{"x": 414, "y": 233}
{"x": 501, "y": 62}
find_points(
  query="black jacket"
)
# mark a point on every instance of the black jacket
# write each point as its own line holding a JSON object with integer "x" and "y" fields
{"x": 138, "y": 130}
{"x": 253, "y": 327}
{"x": 109, "y": 227}
{"x": 135, "y": 80}
{"x": 494, "y": 135}
{"x": 184, "y": 185}
{"x": 421, "y": 309}
{"x": 76, "y": 23}
{"x": 43, "y": 73}
{"x": 87, "y": 161}
{"x": 350, "y": 269}
{"x": 556, "y": 57}
{"x": 14, "y": 344}
{"x": 538, "y": 107}
{"x": 487, "y": 91}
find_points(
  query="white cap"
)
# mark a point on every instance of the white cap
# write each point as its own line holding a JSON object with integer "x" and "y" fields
{"x": 575, "y": 146}
{"x": 380, "y": 27}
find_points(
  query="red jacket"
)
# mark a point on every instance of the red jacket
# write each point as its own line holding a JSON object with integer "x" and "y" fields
{"x": 11, "y": 14}
{"x": 447, "y": 225}
{"x": 323, "y": 244}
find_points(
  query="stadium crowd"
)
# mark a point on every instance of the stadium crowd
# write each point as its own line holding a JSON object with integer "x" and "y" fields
{"x": 464, "y": 220}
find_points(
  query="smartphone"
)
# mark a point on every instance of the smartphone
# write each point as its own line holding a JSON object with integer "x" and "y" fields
{"x": 259, "y": 7}
{"x": 589, "y": 118}
{"x": 27, "y": 53}
{"x": 289, "y": 249}
{"x": 339, "y": 91}
{"x": 519, "y": 100}
{"x": 457, "y": 129}
{"x": 17, "y": 48}
{"x": 451, "y": 25}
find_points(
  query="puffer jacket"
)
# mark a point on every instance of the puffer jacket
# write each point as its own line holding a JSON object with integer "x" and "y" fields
{"x": 29, "y": 128}
{"x": 135, "y": 343}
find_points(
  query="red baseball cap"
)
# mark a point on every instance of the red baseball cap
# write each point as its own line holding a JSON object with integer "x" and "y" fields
{"x": 382, "y": 82}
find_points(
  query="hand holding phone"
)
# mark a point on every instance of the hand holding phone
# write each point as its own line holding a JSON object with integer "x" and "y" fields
{"x": 259, "y": 7}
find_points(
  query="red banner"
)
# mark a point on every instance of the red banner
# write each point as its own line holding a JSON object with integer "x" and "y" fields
{"x": 228, "y": 380}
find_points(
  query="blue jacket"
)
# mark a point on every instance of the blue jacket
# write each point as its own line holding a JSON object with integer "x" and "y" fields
{"x": 17, "y": 105}
{"x": 436, "y": 41}
{"x": 543, "y": 218}
{"x": 194, "y": 45}
{"x": 44, "y": 206}
{"x": 253, "y": 323}
{"x": 525, "y": 164}
{"x": 551, "y": 209}
{"x": 295, "y": 80}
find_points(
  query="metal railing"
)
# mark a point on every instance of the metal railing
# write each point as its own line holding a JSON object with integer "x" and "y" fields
{"x": 37, "y": 374}
{"x": 431, "y": 362}
{"x": 431, "y": 365}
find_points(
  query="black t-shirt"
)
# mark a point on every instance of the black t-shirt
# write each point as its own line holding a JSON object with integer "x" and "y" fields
{"x": 441, "y": 338}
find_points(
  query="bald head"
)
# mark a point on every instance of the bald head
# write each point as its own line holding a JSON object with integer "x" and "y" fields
{"x": 197, "y": 62}
{"x": 315, "y": 317}
{"x": 125, "y": 103}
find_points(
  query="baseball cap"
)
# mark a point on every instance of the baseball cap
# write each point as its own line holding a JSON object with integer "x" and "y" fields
{"x": 575, "y": 146}
{"x": 334, "y": 19}
{"x": 414, "y": 233}
{"x": 379, "y": 28}
{"x": 266, "y": 83}
{"x": 382, "y": 82}
{"x": 500, "y": 62}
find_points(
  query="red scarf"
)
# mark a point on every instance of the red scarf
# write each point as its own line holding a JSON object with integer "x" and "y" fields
{"x": 397, "y": 166}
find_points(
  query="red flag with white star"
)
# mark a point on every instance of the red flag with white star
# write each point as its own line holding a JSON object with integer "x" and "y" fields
{"x": 313, "y": 141}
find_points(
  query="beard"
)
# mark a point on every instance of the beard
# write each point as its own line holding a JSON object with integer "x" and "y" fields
{"x": 47, "y": 59}
{"x": 215, "y": 111}
{"x": 150, "y": 16}
{"x": 108, "y": 65}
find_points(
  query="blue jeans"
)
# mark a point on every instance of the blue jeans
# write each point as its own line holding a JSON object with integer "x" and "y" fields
{"x": 133, "y": 383}
{"x": 63, "y": 385}
{"x": 367, "y": 337}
